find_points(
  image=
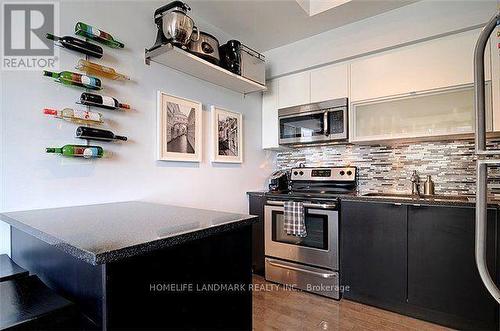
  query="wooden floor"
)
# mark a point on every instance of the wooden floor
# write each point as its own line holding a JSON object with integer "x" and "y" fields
{"x": 275, "y": 308}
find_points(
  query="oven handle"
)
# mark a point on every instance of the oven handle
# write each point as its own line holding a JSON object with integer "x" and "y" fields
{"x": 319, "y": 274}
{"x": 306, "y": 205}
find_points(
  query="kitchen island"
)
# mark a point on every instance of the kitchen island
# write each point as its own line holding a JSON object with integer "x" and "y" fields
{"x": 139, "y": 265}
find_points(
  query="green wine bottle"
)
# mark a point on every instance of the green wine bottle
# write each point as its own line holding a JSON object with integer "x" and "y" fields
{"x": 87, "y": 152}
{"x": 74, "y": 79}
{"x": 95, "y": 34}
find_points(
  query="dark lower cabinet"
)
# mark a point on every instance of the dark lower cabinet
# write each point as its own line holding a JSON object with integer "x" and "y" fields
{"x": 442, "y": 273}
{"x": 418, "y": 260}
{"x": 373, "y": 264}
{"x": 256, "y": 207}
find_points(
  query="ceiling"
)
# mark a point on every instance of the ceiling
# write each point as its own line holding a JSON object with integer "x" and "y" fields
{"x": 267, "y": 24}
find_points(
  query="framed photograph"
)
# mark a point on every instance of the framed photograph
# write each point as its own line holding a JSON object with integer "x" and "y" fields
{"x": 179, "y": 132}
{"x": 227, "y": 136}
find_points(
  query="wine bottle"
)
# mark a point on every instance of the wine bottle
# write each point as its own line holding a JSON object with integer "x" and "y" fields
{"x": 77, "y": 45}
{"x": 72, "y": 78}
{"x": 84, "y": 132}
{"x": 99, "y": 70}
{"x": 90, "y": 99}
{"x": 93, "y": 33}
{"x": 76, "y": 116}
{"x": 87, "y": 152}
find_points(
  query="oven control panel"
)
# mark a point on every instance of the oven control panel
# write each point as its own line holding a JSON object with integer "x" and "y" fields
{"x": 343, "y": 174}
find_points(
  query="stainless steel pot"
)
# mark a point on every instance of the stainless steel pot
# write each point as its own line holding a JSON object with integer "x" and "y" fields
{"x": 178, "y": 28}
{"x": 206, "y": 47}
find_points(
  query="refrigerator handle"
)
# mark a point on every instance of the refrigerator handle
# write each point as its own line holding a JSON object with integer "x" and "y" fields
{"x": 479, "y": 86}
{"x": 481, "y": 226}
{"x": 482, "y": 164}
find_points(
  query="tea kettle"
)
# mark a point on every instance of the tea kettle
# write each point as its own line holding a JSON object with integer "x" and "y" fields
{"x": 174, "y": 25}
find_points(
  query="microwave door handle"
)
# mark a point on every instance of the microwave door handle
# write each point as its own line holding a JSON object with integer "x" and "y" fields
{"x": 325, "y": 124}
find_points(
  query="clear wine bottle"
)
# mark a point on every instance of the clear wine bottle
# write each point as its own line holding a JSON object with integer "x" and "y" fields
{"x": 76, "y": 116}
{"x": 100, "y": 70}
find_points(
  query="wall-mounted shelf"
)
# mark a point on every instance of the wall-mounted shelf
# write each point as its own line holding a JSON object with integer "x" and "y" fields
{"x": 192, "y": 65}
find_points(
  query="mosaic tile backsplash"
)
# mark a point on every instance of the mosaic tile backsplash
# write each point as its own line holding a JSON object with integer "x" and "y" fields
{"x": 389, "y": 168}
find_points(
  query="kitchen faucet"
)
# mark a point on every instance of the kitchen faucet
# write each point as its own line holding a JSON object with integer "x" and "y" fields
{"x": 415, "y": 183}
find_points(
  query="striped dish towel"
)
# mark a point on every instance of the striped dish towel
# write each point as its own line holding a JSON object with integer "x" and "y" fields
{"x": 294, "y": 219}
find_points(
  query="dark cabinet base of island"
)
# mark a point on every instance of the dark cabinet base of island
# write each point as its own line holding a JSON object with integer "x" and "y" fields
{"x": 200, "y": 284}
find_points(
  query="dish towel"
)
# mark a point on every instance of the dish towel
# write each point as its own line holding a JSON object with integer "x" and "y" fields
{"x": 294, "y": 219}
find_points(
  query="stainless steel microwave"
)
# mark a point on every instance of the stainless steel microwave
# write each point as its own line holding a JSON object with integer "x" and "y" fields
{"x": 317, "y": 122}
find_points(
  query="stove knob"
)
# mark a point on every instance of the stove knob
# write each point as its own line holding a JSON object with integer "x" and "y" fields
{"x": 342, "y": 173}
{"x": 301, "y": 173}
{"x": 295, "y": 173}
{"x": 349, "y": 172}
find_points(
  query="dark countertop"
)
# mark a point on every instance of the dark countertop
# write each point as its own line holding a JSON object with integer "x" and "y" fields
{"x": 110, "y": 232}
{"x": 360, "y": 197}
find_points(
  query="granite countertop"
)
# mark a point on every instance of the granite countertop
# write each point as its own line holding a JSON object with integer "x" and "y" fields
{"x": 449, "y": 201}
{"x": 110, "y": 232}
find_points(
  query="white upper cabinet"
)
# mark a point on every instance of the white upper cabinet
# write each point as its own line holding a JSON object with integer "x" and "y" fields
{"x": 270, "y": 116}
{"x": 329, "y": 83}
{"x": 326, "y": 83}
{"x": 294, "y": 90}
{"x": 430, "y": 65}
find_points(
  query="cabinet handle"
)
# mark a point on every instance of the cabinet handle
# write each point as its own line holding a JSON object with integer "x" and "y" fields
{"x": 416, "y": 205}
{"x": 397, "y": 203}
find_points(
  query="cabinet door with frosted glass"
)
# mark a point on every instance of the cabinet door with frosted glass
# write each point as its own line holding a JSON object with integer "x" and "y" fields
{"x": 442, "y": 113}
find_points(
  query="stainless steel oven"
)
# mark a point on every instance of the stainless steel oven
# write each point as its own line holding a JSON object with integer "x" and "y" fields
{"x": 309, "y": 263}
{"x": 317, "y": 122}
{"x": 319, "y": 248}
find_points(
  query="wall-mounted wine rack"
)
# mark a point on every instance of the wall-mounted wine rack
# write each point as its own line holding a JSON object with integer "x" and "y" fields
{"x": 86, "y": 47}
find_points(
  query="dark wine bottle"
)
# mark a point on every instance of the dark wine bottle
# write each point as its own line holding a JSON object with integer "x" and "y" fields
{"x": 102, "y": 101}
{"x": 84, "y": 132}
{"x": 77, "y": 45}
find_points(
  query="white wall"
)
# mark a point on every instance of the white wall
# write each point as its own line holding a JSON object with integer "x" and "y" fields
{"x": 418, "y": 21}
{"x": 31, "y": 179}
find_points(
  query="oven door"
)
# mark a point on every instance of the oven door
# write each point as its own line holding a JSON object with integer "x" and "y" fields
{"x": 319, "y": 248}
{"x": 303, "y": 128}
